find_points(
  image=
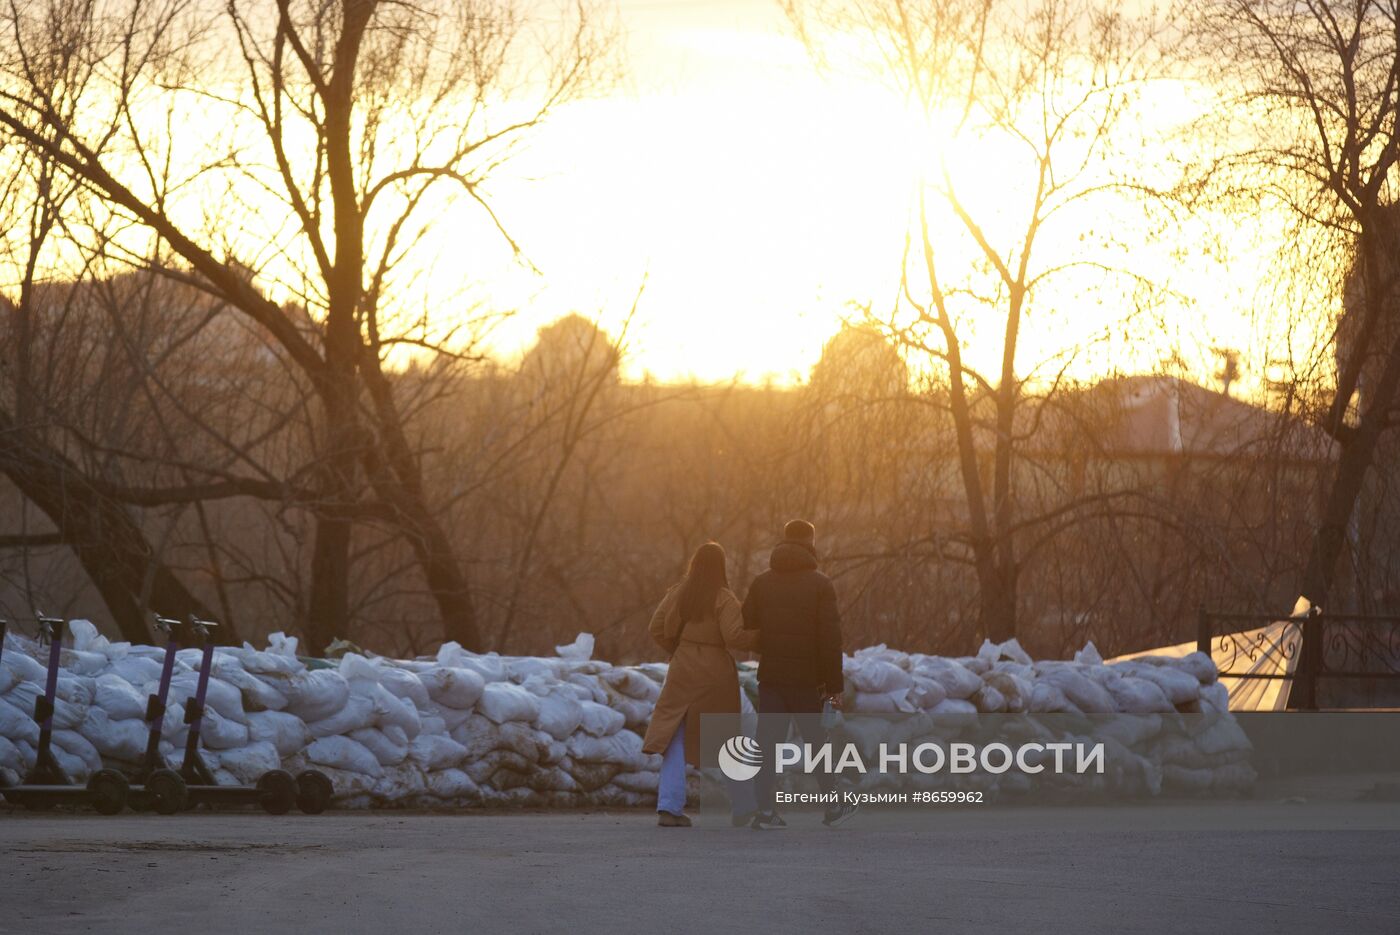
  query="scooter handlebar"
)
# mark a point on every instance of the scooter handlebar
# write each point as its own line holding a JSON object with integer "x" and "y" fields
{"x": 202, "y": 627}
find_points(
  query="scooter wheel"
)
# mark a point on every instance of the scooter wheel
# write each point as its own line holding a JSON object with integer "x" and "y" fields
{"x": 277, "y": 791}
{"x": 109, "y": 790}
{"x": 165, "y": 792}
{"x": 314, "y": 791}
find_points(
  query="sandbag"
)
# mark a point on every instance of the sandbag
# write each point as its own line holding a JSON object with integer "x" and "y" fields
{"x": 403, "y": 684}
{"x": 117, "y": 739}
{"x": 286, "y": 732}
{"x": 502, "y": 702}
{"x": 453, "y": 687}
{"x": 436, "y": 751}
{"x": 118, "y": 698}
{"x": 316, "y": 694}
{"x": 249, "y": 762}
{"x": 357, "y": 712}
{"x": 343, "y": 753}
{"x": 878, "y": 677}
{"x": 389, "y": 745}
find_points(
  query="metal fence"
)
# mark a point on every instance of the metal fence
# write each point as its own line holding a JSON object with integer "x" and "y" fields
{"x": 1326, "y": 646}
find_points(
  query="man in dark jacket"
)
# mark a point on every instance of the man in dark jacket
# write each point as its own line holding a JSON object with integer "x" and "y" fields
{"x": 793, "y": 607}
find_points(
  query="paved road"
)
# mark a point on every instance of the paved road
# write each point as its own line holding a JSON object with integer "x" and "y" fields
{"x": 1152, "y": 870}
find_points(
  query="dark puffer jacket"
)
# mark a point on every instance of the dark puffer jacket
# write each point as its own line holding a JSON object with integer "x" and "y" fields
{"x": 793, "y": 607}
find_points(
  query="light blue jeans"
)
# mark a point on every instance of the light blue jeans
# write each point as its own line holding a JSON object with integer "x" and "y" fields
{"x": 670, "y": 792}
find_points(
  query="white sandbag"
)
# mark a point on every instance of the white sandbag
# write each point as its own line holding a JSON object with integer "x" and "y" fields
{"x": 73, "y": 766}
{"x": 590, "y": 683}
{"x": 257, "y": 694}
{"x": 891, "y": 702}
{"x": 631, "y": 683}
{"x": 490, "y": 667}
{"x": 449, "y": 717}
{"x": 286, "y": 732}
{"x": 560, "y": 715}
{"x": 502, "y": 702}
{"x": 115, "y": 739}
{"x": 77, "y": 662}
{"x": 1016, "y": 689}
{"x": 636, "y": 711}
{"x": 1047, "y": 699}
{"x": 478, "y": 734}
{"x": 988, "y": 700}
{"x": 1085, "y": 694}
{"x": 953, "y": 710}
{"x": 135, "y": 670}
{"x": 11, "y": 758}
{"x": 266, "y": 663}
{"x": 1222, "y": 735}
{"x": 219, "y": 733}
{"x": 1011, "y": 649}
{"x": 1138, "y": 696}
{"x": 878, "y": 677}
{"x": 1132, "y": 731}
{"x": 580, "y": 649}
{"x": 643, "y": 783}
{"x": 250, "y": 762}
{"x": 483, "y": 768}
{"x": 453, "y": 687}
{"x": 1180, "y": 687}
{"x": 357, "y": 712}
{"x": 1198, "y": 664}
{"x": 436, "y": 751}
{"x": 622, "y": 749}
{"x": 316, "y": 694}
{"x": 343, "y": 753}
{"x": 452, "y": 785}
{"x": 219, "y": 695}
{"x": 957, "y": 680}
{"x": 525, "y": 740}
{"x": 403, "y": 784}
{"x": 22, "y": 666}
{"x": 521, "y": 669}
{"x": 1215, "y": 698}
{"x": 118, "y": 698}
{"x": 403, "y": 684}
{"x": 66, "y": 714}
{"x": 391, "y": 711}
{"x": 1089, "y": 655}
{"x": 926, "y": 692}
{"x": 76, "y": 745}
{"x": 280, "y": 644}
{"x": 16, "y": 724}
{"x": 389, "y": 744}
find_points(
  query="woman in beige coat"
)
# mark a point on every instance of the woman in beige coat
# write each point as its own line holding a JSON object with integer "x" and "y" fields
{"x": 699, "y": 624}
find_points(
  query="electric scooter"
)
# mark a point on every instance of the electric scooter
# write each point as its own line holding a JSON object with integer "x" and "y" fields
{"x": 47, "y": 784}
{"x": 276, "y": 790}
{"x": 154, "y": 785}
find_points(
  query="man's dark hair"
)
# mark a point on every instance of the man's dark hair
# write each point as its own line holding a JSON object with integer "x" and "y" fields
{"x": 799, "y": 530}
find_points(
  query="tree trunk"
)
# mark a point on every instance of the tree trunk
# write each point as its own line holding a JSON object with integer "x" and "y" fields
{"x": 107, "y": 540}
{"x": 996, "y": 585}
{"x": 1358, "y": 452}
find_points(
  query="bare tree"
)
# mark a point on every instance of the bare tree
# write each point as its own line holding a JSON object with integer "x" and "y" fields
{"x": 341, "y": 121}
{"x": 1317, "y": 89}
{"x": 1045, "y": 89}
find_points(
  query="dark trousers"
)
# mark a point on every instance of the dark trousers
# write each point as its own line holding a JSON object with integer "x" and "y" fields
{"x": 776, "y": 706}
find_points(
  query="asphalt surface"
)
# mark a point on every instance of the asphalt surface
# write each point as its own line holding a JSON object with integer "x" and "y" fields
{"x": 1270, "y": 868}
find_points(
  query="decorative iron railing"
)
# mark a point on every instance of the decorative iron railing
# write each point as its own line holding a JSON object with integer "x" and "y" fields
{"x": 1309, "y": 647}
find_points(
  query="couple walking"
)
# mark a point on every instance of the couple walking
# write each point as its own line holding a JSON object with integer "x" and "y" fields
{"x": 790, "y": 618}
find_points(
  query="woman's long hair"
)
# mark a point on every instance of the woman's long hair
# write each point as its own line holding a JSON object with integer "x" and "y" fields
{"x": 703, "y": 580}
